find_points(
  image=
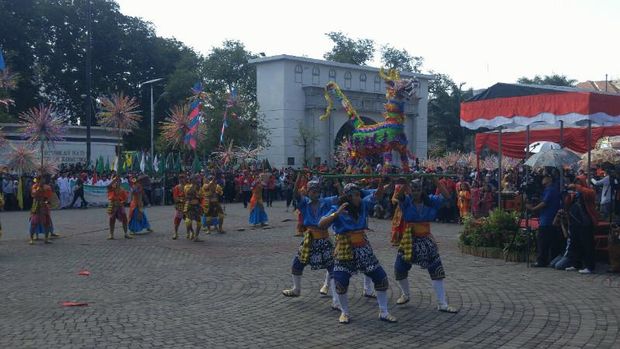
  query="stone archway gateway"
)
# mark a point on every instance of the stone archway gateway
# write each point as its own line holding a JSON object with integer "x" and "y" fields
{"x": 290, "y": 95}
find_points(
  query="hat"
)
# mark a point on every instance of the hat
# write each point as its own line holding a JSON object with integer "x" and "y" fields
{"x": 349, "y": 188}
{"x": 314, "y": 186}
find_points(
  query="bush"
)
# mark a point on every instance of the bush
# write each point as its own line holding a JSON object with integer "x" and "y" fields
{"x": 496, "y": 230}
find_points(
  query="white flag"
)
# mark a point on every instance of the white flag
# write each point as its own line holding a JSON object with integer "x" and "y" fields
{"x": 155, "y": 164}
{"x": 142, "y": 163}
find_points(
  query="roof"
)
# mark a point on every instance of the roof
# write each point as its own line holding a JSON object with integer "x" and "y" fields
{"x": 610, "y": 86}
{"x": 334, "y": 64}
{"x": 503, "y": 90}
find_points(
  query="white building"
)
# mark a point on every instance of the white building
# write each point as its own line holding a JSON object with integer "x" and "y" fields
{"x": 72, "y": 149}
{"x": 290, "y": 95}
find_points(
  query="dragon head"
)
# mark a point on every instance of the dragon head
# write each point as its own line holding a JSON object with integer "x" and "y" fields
{"x": 397, "y": 88}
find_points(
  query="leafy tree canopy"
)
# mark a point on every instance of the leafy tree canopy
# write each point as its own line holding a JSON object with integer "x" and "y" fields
{"x": 554, "y": 80}
{"x": 347, "y": 50}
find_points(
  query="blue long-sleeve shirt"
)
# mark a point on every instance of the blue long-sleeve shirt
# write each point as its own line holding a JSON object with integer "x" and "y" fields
{"x": 345, "y": 223}
{"x": 414, "y": 213}
{"x": 311, "y": 217}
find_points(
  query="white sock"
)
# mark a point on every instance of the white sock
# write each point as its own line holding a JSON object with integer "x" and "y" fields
{"x": 368, "y": 285}
{"x": 404, "y": 286}
{"x": 335, "y": 300}
{"x": 344, "y": 303}
{"x": 382, "y": 301}
{"x": 326, "y": 283}
{"x": 297, "y": 283}
{"x": 440, "y": 292}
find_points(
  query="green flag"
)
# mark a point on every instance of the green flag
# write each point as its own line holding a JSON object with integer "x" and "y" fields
{"x": 107, "y": 164}
{"x": 196, "y": 165}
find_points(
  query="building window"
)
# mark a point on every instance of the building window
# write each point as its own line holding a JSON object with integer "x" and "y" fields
{"x": 362, "y": 81}
{"x": 332, "y": 75}
{"x": 377, "y": 83}
{"x": 347, "y": 79}
{"x": 298, "y": 73}
{"x": 316, "y": 76}
{"x": 291, "y": 162}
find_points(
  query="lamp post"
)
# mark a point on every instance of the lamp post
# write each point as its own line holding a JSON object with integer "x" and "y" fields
{"x": 151, "y": 82}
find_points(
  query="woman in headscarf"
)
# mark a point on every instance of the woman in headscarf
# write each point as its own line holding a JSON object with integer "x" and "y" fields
{"x": 418, "y": 245}
{"x": 353, "y": 251}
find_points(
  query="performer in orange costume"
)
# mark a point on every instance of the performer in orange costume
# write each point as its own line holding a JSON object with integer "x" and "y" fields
{"x": 178, "y": 195}
{"x": 40, "y": 218}
{"x": 117, "y": 197}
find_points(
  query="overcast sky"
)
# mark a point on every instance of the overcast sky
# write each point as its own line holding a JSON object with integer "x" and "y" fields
{"x": 478, "y": 42}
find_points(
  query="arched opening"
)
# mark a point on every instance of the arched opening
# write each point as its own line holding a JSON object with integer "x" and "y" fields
{"x": 346, "y": 131}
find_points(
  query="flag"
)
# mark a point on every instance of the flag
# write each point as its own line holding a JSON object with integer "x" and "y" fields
{"x": 2, "y": 64}
{"x": 155, "y": 162}
{"x": 232, "y": 97}
{"x": 115, "y": 164}
{"x": 107, "y": 164}
{"x": 142, "y": 163}
{"x": 195, "y": 111}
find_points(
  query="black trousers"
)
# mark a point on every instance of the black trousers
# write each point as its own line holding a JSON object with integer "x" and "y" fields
{"x": 78, "y": 194}
{"x": 246, "y": 197}
{"x": 585, "y": 246}
{"x": 548, "y": 243}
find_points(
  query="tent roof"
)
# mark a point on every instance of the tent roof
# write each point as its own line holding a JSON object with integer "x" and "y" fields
{"x": 511, "y": 105}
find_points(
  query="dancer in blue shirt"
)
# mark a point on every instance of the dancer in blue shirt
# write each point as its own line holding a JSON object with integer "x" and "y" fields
{"x": 353, "y": 251}
{"x": 418, "y": 245}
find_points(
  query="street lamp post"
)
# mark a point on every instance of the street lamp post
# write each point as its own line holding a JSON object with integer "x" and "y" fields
{"x": 151, "y": 82}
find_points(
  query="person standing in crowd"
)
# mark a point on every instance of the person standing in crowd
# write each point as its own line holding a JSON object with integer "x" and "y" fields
{"x": 605, "y": 203}
{"x": 418, "y": 245}
{"x": 464, "y": 201}
{"x": 1, "y": 209}
{"x": 577, "y": 221}
{"x": 178, "y": 196}
{"x": 353, "y": 252}
{"x": 271, "y": 189}
{"x": 147, "y": 188}
{"x": 246, "y": 187}
{"x": 65, "y": 190}
{"x": 78, "y": 191}
{"x": 8, "y": 189}
{"x": 137, "y": 215}
{"x": 40, "y": 217}
{"x": 117, "y": 197}
{"x": 549, "y": 239}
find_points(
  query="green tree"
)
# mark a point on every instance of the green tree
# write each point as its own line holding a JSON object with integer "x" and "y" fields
{"x": 554, "y": 80}
{"x": 347, "y": 50}
{"x": 393, "y": 58}
{"x": 444, "y": 107}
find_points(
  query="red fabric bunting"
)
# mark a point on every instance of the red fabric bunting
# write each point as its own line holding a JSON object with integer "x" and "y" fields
{"x": 514, "y": 143}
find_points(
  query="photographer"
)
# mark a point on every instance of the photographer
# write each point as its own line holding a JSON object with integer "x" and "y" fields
{"x": 549, "y": 240}
{"x": 577, "y": 220}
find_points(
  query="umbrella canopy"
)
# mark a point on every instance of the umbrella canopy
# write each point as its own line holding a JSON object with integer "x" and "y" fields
{"x": 537, "y": 147}
{"x": 558, "y": 158}
{"x": 601, "y": 156}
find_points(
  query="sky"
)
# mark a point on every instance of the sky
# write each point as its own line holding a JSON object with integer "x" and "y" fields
{"x": 475, "y": 42}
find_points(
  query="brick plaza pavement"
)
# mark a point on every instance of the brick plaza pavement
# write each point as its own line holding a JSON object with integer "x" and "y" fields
{"x": 153, "y": 292}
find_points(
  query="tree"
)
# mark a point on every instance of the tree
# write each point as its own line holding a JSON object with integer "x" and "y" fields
{"x": 444, "y": 106}
{"x": 226, "y": 69}
{"x": 306, "y": 139}
{"x": 347, "y": 50}
{"x": 554, "y": 80}
{"x": 393, "y": 58}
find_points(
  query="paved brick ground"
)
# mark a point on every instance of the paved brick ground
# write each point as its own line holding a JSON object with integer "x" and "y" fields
{"x": 225, "y": 292}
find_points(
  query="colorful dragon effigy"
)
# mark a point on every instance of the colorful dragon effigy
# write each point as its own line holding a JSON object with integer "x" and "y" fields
{"x": 383, "y": 137}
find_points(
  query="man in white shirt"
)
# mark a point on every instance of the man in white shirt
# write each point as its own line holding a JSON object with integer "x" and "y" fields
{"x": 605, "y": 194}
